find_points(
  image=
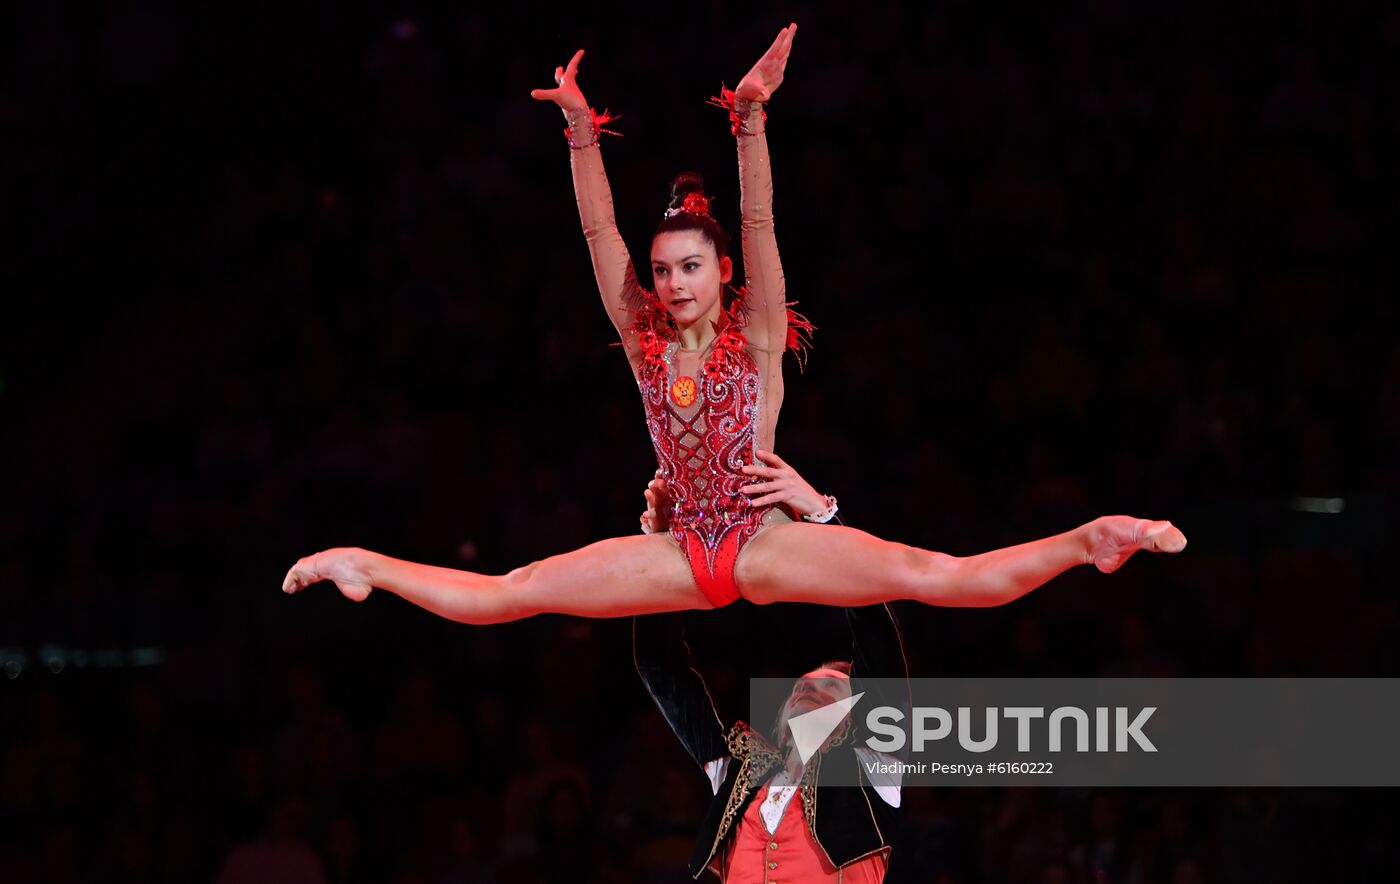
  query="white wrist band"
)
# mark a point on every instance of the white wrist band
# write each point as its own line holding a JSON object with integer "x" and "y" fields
{"x": 825, "y": 515}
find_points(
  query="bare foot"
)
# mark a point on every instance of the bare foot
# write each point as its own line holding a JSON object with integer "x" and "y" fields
{"x": 1113, "y": 540}
{"x": 342, "y": 565}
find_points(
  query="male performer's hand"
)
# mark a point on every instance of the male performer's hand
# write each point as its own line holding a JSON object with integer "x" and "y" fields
{"x": 763, "y": 80}
{"x": 782, "y": 485}
{"x": 657, "y": 517}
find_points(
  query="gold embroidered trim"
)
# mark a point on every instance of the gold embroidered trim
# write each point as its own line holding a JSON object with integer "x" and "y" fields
{"x": 756, "y": 757}
{"x": 809, "y": 796}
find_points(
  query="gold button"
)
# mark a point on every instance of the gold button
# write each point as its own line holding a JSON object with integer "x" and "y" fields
{"x": 772, "y": 845}
{"x": 772, "y": 865}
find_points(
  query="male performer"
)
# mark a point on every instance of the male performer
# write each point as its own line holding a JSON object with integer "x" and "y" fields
{"x": 772, "y": 819}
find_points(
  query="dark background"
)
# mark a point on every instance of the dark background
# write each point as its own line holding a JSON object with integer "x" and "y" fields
{"x": 281, "y": 277}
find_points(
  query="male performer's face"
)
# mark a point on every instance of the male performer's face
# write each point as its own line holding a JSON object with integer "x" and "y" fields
{"x": 689, "y": 277}
{"x": 816, "y": 689}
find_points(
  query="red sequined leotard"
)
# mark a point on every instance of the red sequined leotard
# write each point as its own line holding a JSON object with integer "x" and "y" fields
{"x": 701, "y": 447}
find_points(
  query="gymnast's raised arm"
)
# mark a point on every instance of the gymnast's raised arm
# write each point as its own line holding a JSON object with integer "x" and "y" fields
{"x": 763, "y": 271}
{"x": 612, "y": 265}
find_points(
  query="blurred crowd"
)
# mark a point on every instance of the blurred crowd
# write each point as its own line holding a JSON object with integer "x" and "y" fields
{"x": 311, "y": 276}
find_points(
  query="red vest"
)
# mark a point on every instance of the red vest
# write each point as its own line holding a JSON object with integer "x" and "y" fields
{"x": 791, "y": 854}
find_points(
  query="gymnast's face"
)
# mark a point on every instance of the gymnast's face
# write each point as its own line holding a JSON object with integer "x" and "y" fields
{"x": 689, "y": 276}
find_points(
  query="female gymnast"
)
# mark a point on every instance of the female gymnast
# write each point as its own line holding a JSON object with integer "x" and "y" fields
{"x": 710, "y": 375}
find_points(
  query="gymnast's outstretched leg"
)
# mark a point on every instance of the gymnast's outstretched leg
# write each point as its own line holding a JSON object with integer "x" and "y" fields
{"x": 836, "y": 565}
{"x": 621, "y": 577}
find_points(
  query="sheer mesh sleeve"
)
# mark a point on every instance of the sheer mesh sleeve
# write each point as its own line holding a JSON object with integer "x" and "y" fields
{"x": 763, "y": 271}
{"x": 612, "y": 265}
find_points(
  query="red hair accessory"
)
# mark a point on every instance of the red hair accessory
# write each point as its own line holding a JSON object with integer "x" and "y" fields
{"x": 695, "y": 203}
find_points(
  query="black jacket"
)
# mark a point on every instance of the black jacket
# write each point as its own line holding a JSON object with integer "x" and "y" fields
{"x": 849, "y": 823}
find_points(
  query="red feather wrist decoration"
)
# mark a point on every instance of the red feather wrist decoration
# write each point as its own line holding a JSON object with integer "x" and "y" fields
{"x": 729, "y": 101}
{"x": 596, "y": 122}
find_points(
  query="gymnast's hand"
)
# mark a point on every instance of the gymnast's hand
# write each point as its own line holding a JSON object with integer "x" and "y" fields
{"x": 783, "y": 485}
{"x": 567, "y": 94}
{"x": 346, "y": 566}
{"x": 760, "y": 83}
{"x": 657, "y": 518}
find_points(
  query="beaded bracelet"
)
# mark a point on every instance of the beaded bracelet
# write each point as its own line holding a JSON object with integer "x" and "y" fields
{"x": 594, "y": 123}
{"x": 825, "y": 515}
{"x": 731, "y": 102}
{"x": 743, "y": 110}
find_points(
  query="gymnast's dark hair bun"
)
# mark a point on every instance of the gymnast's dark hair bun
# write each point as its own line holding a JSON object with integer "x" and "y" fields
{"x": 684, "y": 184}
